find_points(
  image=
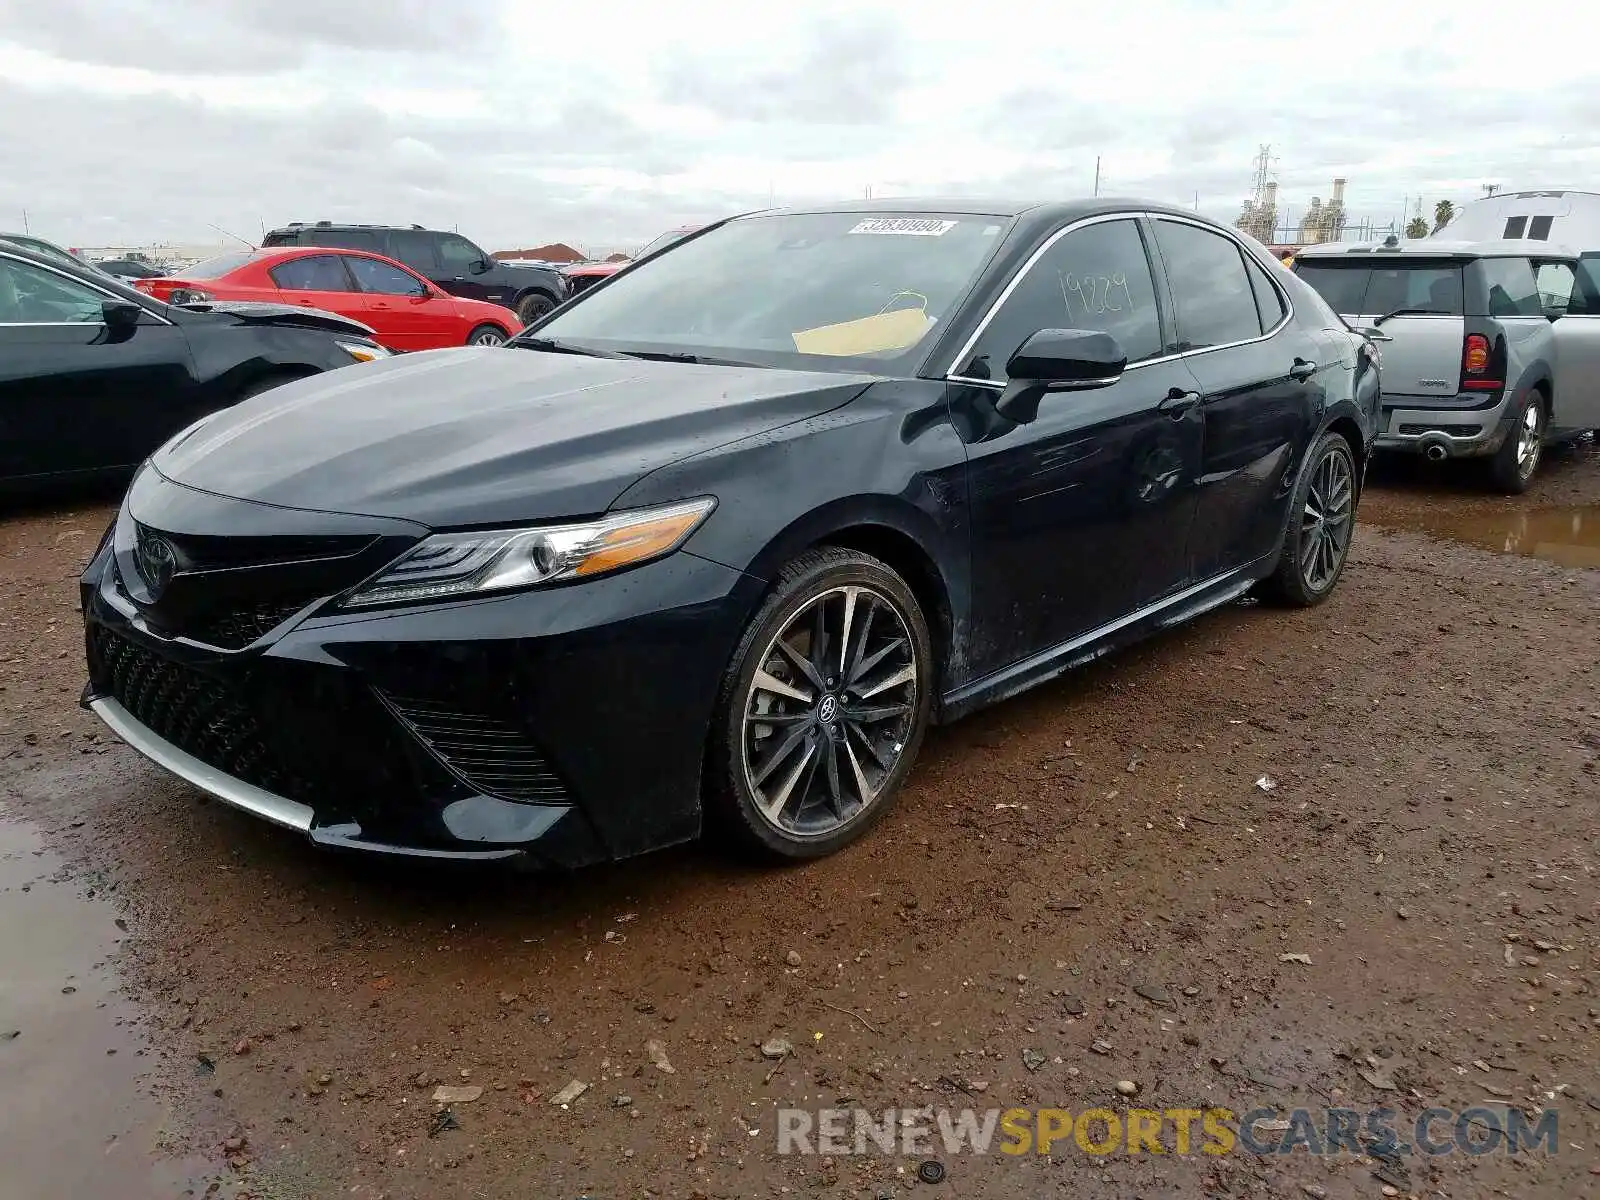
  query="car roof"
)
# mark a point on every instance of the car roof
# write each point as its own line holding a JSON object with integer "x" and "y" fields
{"x": 299, "y": 226}
{"x": 1430, "y": 247}
{"x": 1040, "y": 212}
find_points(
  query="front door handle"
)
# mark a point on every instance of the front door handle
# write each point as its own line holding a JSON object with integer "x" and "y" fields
{"x": 1178, "y": 402}
{"x": 1302, "y": 370}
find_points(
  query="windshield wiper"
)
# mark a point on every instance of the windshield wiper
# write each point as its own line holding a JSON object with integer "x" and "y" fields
{"x": 551, "y": 346}
{"x": 1410, "y": 312}
{"x": 681, "y": 356}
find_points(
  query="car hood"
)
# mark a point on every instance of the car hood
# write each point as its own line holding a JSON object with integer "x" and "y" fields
{"x": 479, "y": 436}
{"x": 253, "y": 312}
{"x": 601, "y": 268}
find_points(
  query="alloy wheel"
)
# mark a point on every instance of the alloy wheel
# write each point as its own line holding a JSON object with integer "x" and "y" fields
{"x": 830, "y": 710}
{"x": 488, "y": 337}
{"x": 1326, "y": 523}
{"x": 1529, "y": 440}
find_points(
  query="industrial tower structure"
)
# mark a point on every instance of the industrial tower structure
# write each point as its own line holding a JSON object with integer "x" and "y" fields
{"x": 1259, "y": 215}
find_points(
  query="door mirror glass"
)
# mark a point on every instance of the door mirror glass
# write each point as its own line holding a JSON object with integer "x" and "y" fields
{"x": 1055, "y": 360}
{"x": 480, "y": 266}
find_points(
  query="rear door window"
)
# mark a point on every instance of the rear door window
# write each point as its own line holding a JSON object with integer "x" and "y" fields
{"x": 1366, "y": 289}
{"x": 414, "y": 247}
{"x": 314, "y": 273}
{"x": 1555, "y": 281}
{"x": 1511, "y": 287}
{"x": 1213, "y": 295}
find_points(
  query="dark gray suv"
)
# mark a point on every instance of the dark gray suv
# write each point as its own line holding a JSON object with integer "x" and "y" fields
{"x": 457, "y": 265}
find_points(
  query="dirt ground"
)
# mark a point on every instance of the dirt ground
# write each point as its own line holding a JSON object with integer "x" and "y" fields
{"x": 1083, "y": 887}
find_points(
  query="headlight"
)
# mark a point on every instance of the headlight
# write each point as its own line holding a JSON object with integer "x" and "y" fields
{"x": 365, "y": 351}
{"x": 459, "y": 564}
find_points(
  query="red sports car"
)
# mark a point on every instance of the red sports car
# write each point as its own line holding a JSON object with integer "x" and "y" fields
{"x": 406, "y": 311}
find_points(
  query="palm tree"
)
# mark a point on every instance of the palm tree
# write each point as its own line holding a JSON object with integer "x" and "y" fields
{"x": 1442, "y": 212}
{"x": 1416, "y": 228}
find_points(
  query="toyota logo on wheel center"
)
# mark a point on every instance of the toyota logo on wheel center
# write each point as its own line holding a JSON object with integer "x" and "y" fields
{"x": 828, "y": 710}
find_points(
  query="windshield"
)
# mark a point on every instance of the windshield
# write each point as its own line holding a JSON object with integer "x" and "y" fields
{"x": 830, "y": 291}
{"x": 216, "y": 268}
{"x": 1363, "y": 288}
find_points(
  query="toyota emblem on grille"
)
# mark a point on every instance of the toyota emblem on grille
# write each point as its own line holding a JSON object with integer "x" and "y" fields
{"x": 156, "y": 560}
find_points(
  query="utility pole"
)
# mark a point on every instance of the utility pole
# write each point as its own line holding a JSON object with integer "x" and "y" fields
{"x": 1197, "y": 202}
{"x": 1096, "y": 174}
{"x": 25, "y": 228}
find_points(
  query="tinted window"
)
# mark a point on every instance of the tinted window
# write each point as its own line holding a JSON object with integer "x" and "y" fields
{"x": 1539, "y": 229}
{"x": 829, "y": 291}
{"x": 1512, "y": 291}
{"x": 1554, "y": 281}
{"x": 1514, "y": 227}
{"x": 1353, "y": 287}
{"x": 31, "y": 295}
{"x": 347, "y": 239}
{"x": 456, "y": 254}
{"x": 1269, "y": 303}
{"x": 1215, "y": 302}
{"x": 414, "y": 247}
{"x": 315, "y": 273}
{"x": 1586, "y": 288}
{"x": 374, "y": 276}
{"x": 216, "y": 268}
{"x": 1097, "y": 277}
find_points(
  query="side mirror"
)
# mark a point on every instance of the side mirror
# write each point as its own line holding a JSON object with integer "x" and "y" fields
{"x": 1058, "y": 360}
{"x": 480, "y": 266}
{"x": 120, "y": 316}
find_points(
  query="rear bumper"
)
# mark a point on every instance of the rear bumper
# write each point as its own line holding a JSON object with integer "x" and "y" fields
{"x": 1449, "y": 429}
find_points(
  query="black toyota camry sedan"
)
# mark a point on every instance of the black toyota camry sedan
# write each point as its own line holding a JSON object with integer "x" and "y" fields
{"x": 94, "y": 375}
{"x": 714, "y": 543}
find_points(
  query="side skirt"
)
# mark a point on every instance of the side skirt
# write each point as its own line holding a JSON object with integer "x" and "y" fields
{"x": 1165, "y": 613}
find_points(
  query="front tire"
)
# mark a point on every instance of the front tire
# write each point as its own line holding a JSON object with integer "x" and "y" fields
{"x": 1512, "y": 468}
{"x": 823, "y": 707}
{"x": 533, "y": 306}
{"x": 487, "y": 335}
{"x": 1322, "y": 518}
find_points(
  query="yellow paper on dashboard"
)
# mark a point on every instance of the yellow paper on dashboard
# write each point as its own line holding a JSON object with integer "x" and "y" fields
{"x": 877, "y": 334}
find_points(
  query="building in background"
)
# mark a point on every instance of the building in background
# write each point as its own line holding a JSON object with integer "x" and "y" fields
{"x": 1325, "y": 222}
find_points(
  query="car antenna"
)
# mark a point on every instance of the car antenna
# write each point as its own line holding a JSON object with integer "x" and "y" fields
{"x": 225, "y": 233}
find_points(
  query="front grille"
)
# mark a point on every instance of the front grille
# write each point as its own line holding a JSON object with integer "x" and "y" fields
{"x": 491, "y": 754}
{"x": 1452, "y": 430}
{"x": 192, "y": 711}
{"x": 237, "y": 627}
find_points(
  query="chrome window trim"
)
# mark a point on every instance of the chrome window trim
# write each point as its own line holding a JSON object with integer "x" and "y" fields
{"x": 93, "y": 287}
{"x": 971, "y": 343}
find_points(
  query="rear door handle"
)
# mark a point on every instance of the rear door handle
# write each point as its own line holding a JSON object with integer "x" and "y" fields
{"x": 1302, "y": 370}
{"x": 1178, "y": 402}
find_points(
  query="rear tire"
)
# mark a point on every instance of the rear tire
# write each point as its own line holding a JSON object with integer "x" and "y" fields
{"x": 1316, "y": 539}
{"x": 533, "y": 306}
{"x": 1513, "y": 466}
{"x": 487, "y": 335}
{"x": 822, "y": 709}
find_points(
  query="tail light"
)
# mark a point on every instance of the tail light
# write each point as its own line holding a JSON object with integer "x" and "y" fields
{"x": 1475, "y": 362}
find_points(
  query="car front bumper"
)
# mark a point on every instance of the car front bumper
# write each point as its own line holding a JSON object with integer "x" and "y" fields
{"x": 567, "y": 725}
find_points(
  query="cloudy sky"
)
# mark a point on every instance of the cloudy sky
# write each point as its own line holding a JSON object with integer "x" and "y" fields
{"x": 603, "y": 123}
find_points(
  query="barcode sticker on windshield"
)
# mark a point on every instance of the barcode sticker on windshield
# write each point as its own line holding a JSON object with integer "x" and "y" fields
{"x": 915, "y": 226}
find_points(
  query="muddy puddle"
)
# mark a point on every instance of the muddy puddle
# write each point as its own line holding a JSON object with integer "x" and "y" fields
{"x": 77, "y": 1116}
{"x": 1568, "y": 536}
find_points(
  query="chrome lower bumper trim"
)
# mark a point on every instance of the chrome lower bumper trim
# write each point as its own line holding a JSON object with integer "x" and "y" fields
{"x": 254, "y": 800}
